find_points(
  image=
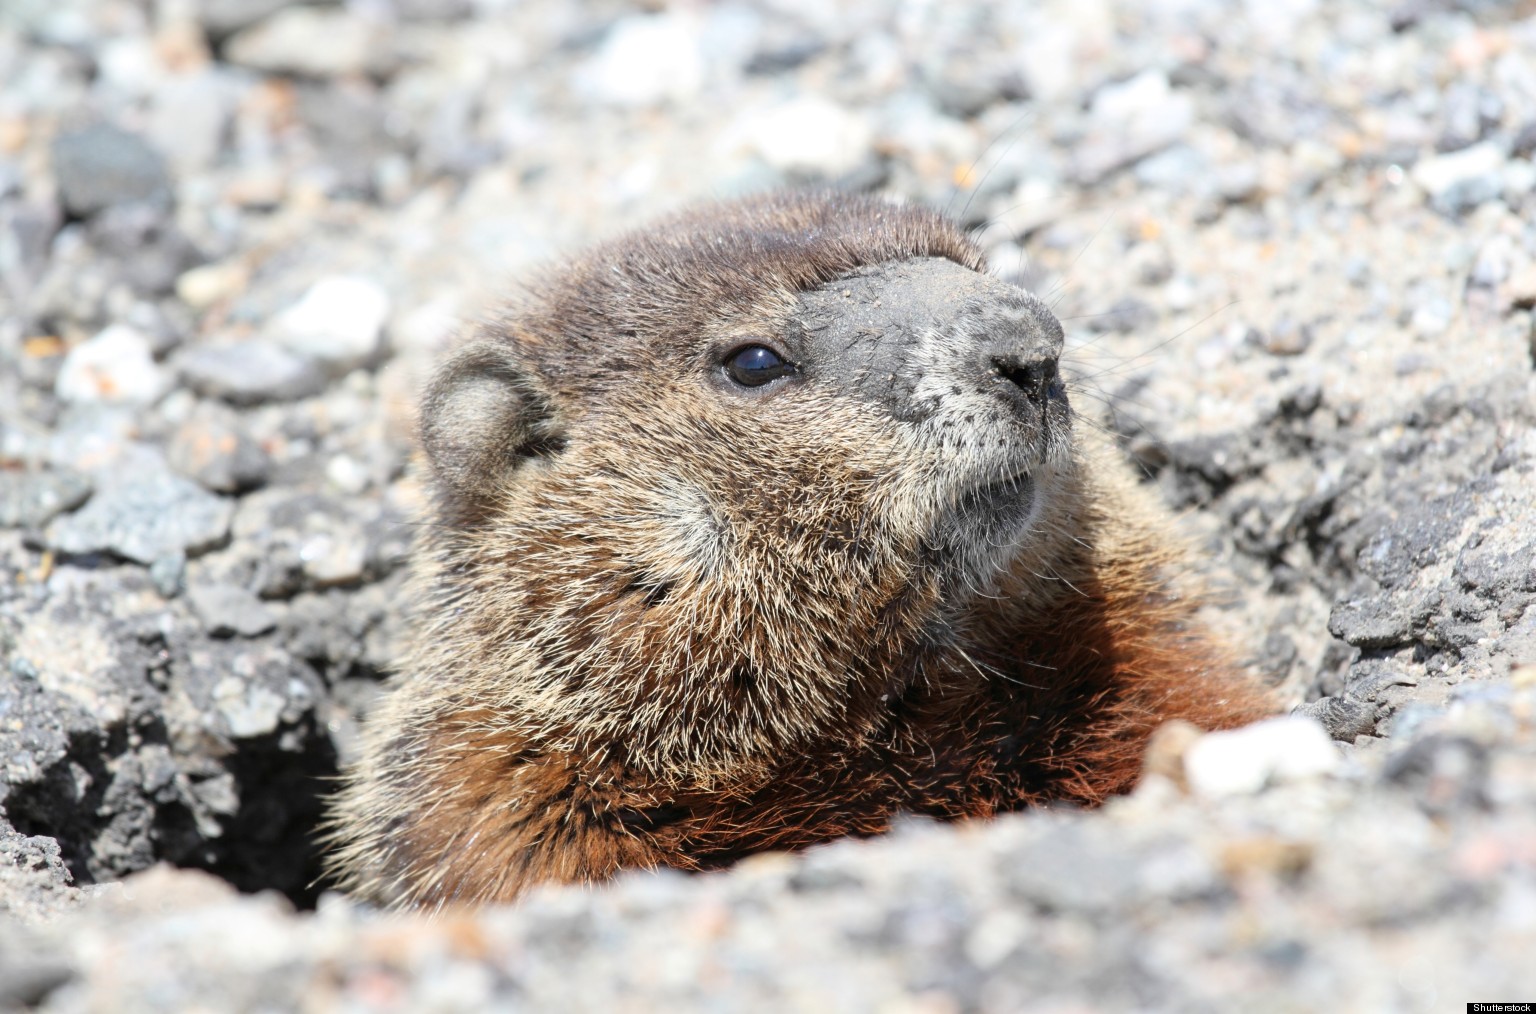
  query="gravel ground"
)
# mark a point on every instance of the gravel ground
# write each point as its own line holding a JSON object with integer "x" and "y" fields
{"x": 1292, "y": 246}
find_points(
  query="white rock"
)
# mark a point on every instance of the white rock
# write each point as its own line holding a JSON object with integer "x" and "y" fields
{"x": 1243, "y": 761}
{"x": 1442, "y": 172}
{"x": 1131, "y": 120}
{"x": 313, "y": 42}
{"x": 430, "y": 324}
{"x": 1128, "y": 99}
{"x": 249, "y": 711}
{"x": 187, "y": 120}
{"x": 809, "y": 135}
{"x": 339, "y": 322}
{"x": 206, "y": 284}
{"x": 647, "y": 59}
{"x": 117, "y": 366}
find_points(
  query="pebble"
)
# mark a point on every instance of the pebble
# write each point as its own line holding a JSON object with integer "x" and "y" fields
{"x": 189, "y": 116}
{"x": 313, "y": 42}
{"x": 117, "y": 366}
{"x": 223, "y": 17}
{"x": 168, "y": 574}
{"x": 32, "y": 499}
{"x": 213, "y": 447}
{"x": 1520, "y": 289}
{"x": 335, "y": 558}
{"x": 250, "y": 372}
{"x": 207, "y": 284}
{"x": 143, "y": 516}
{"x": 810, "y": 136}
{"x": 101, "y": 166}
{"x": 647, "y": 59}
{"x": 227, "y": 609}
{"x": 1129, "y": 121}
{"x": 1244, "y": 761}
{"x": 1461, "y": 180}
{"x": 248, "y": 709}
{"x": 338, "y": 322}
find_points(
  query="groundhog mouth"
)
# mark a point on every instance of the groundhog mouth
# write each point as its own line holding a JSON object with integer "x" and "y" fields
{"x": 1014, "y": 494}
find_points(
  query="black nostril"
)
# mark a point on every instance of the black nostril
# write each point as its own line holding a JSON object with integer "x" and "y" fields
{"x": 1035, "y": 377}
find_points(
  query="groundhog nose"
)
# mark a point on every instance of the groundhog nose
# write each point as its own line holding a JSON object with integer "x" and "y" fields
{"x": 1032, "y": 378}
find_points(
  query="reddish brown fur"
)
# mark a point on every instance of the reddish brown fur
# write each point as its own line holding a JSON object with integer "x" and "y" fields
{"x": 591, "y": 691}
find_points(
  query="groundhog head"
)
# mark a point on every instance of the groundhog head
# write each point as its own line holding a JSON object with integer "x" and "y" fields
{"x": 705, "y": 489}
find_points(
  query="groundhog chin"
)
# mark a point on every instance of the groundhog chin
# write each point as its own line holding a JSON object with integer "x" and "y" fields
{"x": 989, "y": 527}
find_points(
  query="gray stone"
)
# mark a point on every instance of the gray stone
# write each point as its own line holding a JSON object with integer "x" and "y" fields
{"x": 1067, "y": 870}
{"x": 313, "y": 42}
{"x": 169, "y": 573}
{"x": 339, "y": 321}
{"x": 250, "y": 373}
{"x": 1371, "y": 622}
{"x": 1416, "y": 539}
{"x": 144, "y": 246}
{"x": 32, "y": 499}
{"x": 227, "y": 609}
{"x": 26, "y": 230}
{"x": 101, "y": 166}
{"x": 213, "y": 447}
{"x": 144, "y": 517}
{"x": 1458, "y": 182}
{"x": 221, "y": 17}
{"x": 1344, "y": 718}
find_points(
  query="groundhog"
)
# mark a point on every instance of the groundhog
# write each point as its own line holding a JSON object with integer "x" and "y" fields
{"x": 754, "y": 530}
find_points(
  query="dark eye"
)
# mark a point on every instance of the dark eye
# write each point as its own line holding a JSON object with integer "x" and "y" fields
{"x": 755, "y": 365}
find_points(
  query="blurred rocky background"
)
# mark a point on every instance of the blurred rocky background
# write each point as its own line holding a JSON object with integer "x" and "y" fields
{"x": 1293, "y": 246}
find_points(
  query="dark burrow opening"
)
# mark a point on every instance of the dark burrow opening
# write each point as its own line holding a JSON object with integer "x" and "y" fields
{"x": 255, "y": 822}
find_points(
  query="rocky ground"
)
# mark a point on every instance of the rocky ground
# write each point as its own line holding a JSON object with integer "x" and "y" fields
{"x": 1292, "y": 244}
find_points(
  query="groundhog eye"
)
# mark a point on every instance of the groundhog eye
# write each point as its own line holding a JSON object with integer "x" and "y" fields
{"x": 755, "y": 365}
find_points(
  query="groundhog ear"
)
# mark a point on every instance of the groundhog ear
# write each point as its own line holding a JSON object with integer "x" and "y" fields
{"x": 483, "y": 416}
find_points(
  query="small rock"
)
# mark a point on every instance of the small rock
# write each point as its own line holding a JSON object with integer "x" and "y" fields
{"x": 1463, "y": 179}
{"x": 222, "y": 17}
{"x": 1344, "y": 718}
{"x": 1129, "y": 121}
{"x": 117, "y": 367}
{"x": 1446, "y": 772}
{"x": 810, "y": 136}
{"x": 334, "y": 559}
{"x": 250, "y": 373}
{"x": 204, "y": 286}
{"x": 227, "y": 609}
{"x": 1287, "y": 338}
{"x": 1520, "y": 289}
{"x": 647, "y": 59}
{"x": 313, "y": 42}
{"x": 188, "y": 120}
{"x": 26, "y": 232}
{"x": 102, "y": 166}
{"x": 1068, "y": 870}
{"x": 1243, "y": 761}
{"x": 1371, "y": 622}
{"x": 213, "y": 447}
{"x": 146, "y": 248}
{"x": 169, "y": 573}
{"x": 339, "y": 322}
{"x": 1239, "y": 182}
{"x": 249, "y": 710}
{"x": 144, "y": 516}
{"x": 347, "y": 473}
{"x": 32, "y": 499}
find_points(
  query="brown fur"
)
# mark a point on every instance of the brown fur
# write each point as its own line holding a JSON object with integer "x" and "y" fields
{"x": 665, "y": 623}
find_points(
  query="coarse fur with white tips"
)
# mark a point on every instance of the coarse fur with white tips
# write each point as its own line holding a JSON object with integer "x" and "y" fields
{"x": 671, "y": 611}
